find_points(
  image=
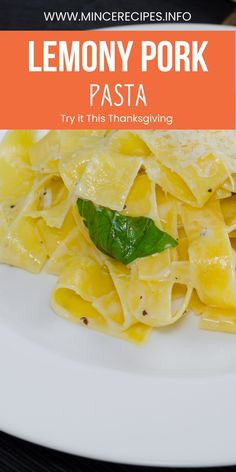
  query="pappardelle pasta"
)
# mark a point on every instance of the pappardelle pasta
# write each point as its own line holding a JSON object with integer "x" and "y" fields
{"x": 139, "y": 227}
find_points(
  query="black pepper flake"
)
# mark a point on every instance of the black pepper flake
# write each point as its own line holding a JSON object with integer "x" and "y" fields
{"x": 176, "y": 278}
{"x": 45, "y": 192}
{"x": 209, "y": 190}
{"x": 145, "y": 313}
{"x": 233, "y": 193}
{"x": 84, "y": 320}
{"x": 124, "y": 207}
{"x": 12, "y": 206}
{"x": 141, "y": 297}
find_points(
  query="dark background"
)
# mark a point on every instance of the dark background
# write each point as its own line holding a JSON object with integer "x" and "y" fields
{"x": 28, "y": 14}
{"x": 17, "y": 455}
{"x": 20, "y": 456}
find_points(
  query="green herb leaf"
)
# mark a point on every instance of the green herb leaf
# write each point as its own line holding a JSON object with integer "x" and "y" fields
{"x": 124, "y": 238}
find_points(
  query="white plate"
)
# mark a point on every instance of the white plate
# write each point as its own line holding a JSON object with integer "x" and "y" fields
{"x": 169, "y": 403}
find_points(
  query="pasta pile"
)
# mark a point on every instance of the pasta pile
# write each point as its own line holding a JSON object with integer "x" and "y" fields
{"x": 185, "y": 181}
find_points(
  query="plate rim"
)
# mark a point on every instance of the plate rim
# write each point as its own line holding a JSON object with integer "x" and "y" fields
{"x": 38, "y": 363}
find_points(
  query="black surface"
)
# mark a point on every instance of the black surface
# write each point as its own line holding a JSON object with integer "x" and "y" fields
{"x": 21, "y": 456}
{"x": 28, "y": 14}
{"x": 17, "y": 455}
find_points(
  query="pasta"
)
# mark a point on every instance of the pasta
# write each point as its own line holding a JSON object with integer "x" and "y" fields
{"x": 138, "y": 227}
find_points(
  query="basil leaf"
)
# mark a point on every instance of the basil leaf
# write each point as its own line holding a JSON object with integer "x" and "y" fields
{"x": 124, "y": 238}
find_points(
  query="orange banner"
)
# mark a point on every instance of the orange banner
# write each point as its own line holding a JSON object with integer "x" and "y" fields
{"x": 117, "y": 79}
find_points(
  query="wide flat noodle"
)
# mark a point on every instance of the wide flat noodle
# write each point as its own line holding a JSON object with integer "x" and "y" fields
{"x": 15, "y": 146}
{"x": 86, "y": 294}
{"x": 15, "y": 181}
{"x": 149, "y": 302}
{"x": 158, "y": 266}
{"x": 128, "y": 143}
{"x": 76, "y": 150}
{"x": 228, "y": 206}
{"x": 22, "y": 246}
{"x": 141, "y": 199}
{"x": 211, "y": 255}
{"x": 54, "y": 237}
{"x": 108, "y": 179}
{"x": 218, "y": 319}
{"x": 213, "y": 318}
{"x": 157, "y": 303}
{"x": 45, "y": 154}
{"x": 191, "y": 160}
{"x": 50, "y": 201}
